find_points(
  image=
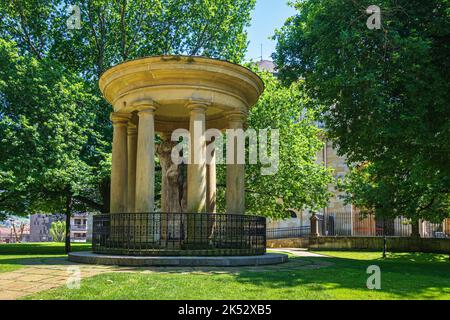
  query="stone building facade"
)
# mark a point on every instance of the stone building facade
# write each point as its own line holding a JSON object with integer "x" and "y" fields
{"x": 40, "y": 226}
{"x": 329, "y": 158}
{"x": 80, "y": 230}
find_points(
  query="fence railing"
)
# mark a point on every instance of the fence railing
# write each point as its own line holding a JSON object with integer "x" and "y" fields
{"x": 201, "y": 234}
{"x": 293, "y": 232}
{"x": 355, "y": 224}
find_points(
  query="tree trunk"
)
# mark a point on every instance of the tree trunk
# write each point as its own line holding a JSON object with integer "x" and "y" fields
{"x": 415, "y": 229}
{"x": 68, "y": 215}
{"x": 16, "y": 236}
{"x": 173, "y": 190}
{"x": 173, "y": 184}
{"x": 105, "y": 192}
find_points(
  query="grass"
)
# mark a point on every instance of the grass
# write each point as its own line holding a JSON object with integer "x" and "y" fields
{"x": 403, "y": 276}
{"x": 342, "y": 275}
{"x": 13, "y": 256}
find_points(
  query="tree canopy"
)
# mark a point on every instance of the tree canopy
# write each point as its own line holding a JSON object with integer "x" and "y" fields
{"x": 300, "y": 183}
{"x": 383, "y": 94}
{"x": 115, "y": 31}
{"x": 46, "y": 122}
{"x": 58, "y": 231}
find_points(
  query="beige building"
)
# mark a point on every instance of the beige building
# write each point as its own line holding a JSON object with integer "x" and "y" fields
{"x": 330, "y": 159}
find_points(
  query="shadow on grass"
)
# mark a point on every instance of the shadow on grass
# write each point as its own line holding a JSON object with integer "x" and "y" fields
{"x": 407, "y": 275}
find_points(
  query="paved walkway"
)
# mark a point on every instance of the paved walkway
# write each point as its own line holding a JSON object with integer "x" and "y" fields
{"x": 47, "y": 273}
{"x": 300, "y": 252}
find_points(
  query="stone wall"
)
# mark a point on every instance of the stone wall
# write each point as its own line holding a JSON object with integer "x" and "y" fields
{"x": 395, "y": 244}
{"x": 288, "y": 243}
{"x": 329, "y": 158}
{"x": 303, "y": 220}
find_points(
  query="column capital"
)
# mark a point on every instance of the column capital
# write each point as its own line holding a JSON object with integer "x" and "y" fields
{"x": 199, "y": 106}
{"x": 149, "y": 110}
{"x": 120, "y": 118}
{"x": 145, "y": 105}
{"x": 236, "y": 116}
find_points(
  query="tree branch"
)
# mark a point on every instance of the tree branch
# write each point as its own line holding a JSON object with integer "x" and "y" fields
{"x": 26, "y": 36}
{"x": 123, "y": 30}
{"x": 89, "y": 203}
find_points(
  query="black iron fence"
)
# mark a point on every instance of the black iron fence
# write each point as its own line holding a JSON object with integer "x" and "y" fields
{"x": 293, "y": 232}
{"x": 173, "y": 234}
{"x": 355, "y": 224}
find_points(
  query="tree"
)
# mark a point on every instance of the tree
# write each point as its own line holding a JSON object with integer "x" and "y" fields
{"x": 58, "y": 231}
{"x": 46, "y": 122}
{"x": 111, "y": 32}
{"x": 384, "y": 96}
{"x": 17, "y": 230}
{"x": 299, "y": 182}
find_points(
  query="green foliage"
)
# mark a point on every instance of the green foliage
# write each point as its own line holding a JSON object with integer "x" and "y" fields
{"x": 46, "y": 122}
{"x": 115, "y": 31}
{"x": 300, "y": 183}
{"x": 58, "y": 231}
{"x": 384, "y": 94}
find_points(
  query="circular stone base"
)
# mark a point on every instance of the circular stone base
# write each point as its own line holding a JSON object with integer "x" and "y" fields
{"x": 224, "y": 261}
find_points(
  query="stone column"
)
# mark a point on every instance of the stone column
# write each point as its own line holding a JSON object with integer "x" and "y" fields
{"x": 196, "y": 186}
{"x": 197, "y": 224}
{"x": 119, "y": 170}
{"x": 145, "y": 162}
{"x": 235, "y": 193}
{"x": 132, "y": 149}
{"x": 211, "y": 184}
{"x": 211, "y": 191}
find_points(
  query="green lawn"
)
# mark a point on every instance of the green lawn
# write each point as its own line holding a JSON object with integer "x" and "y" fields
{"x": 12, "y": 256}
{"x": 404, "y": 276}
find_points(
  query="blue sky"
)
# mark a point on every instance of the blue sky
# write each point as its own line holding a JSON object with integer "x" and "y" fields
{"x": 267, "y": 16}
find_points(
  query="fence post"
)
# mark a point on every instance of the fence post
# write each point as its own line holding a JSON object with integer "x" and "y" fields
{"x": 314, "y": 226}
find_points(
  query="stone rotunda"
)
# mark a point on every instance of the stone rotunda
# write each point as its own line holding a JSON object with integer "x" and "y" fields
{"x": 152, "y": 97}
